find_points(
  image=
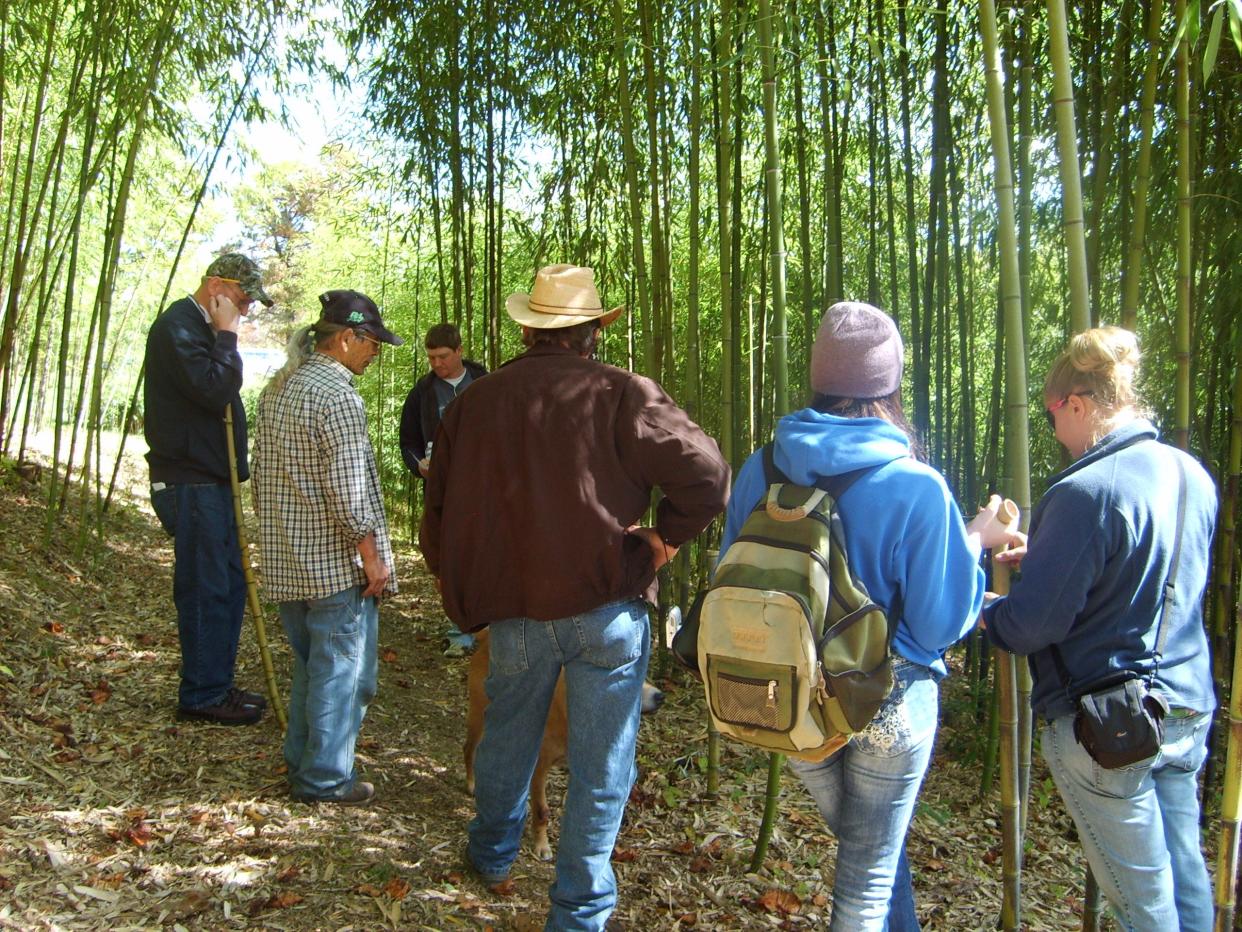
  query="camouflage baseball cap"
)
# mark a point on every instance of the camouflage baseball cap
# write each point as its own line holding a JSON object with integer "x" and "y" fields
{"x": 244, "y": 271}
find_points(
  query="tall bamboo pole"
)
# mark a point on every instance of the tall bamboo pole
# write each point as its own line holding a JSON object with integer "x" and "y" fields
{"x": 1132, "y": 277}
{"x": 1231, "y": 801}
{"x": 643, "y": 315}
{"x": 1011, "y": 806}
{"x": 776, "y": 228}
{"x": 1181, "y": 326}
{"x": 1017, "y": 441}
{"x": 779, "y": 362}
{"x": 1071, "y": 174}
{"x": 252, "y": 589}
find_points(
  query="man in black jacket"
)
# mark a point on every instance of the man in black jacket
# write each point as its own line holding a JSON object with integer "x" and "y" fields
{"x": 449, "y": 376}
{"x": 194, "y": 373}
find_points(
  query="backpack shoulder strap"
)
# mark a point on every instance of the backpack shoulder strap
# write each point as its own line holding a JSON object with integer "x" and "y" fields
{"x": 838, "y": 485}
{"x": 771, "y": 472}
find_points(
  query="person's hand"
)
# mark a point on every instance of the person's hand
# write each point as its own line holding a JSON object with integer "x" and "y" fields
{"x": 995, "y": 524}
{"x": 224, "y": 313}
{"x": 377, "y": 575}
{"x": 1017, "y": 550}
{"x": 424, "y": 466}
{"x": 661, "y": 552}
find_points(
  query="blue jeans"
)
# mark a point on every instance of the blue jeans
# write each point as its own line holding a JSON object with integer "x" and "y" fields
{"x": 604, "y": 655}
{"x": 866, "y": 793}
{"x": 1139, "y": 825}
{"x": 334, "y": 679}
{"x": 209, "y": 589}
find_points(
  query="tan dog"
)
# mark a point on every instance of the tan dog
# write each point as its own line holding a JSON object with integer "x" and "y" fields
{"x": 551, "y": 752}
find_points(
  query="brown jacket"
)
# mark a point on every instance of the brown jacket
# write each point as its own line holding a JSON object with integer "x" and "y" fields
{"x": 539, "y": 468}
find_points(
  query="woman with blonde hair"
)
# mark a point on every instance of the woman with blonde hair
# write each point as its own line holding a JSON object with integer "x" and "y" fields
{"x": 1108, "y": 608}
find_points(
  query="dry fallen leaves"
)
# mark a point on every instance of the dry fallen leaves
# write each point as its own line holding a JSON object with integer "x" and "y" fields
{"x": 396, "y": 888}
{"x": 275, "y": 901}
{"x": 780, "y": 901}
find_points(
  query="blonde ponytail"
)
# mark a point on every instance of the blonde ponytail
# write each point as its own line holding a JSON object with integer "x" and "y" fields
{"x": 1102, "y": 362}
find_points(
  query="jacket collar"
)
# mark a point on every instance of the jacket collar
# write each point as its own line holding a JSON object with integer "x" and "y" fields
{"x": 1137, "y": 431}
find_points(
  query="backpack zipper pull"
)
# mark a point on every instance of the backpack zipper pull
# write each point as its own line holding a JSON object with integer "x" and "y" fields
{"x": 821, "y": 685}
{"x": 771, "y": 694}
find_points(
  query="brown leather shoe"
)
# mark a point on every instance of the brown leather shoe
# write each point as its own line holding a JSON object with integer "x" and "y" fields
{"x": 228, "y": 711}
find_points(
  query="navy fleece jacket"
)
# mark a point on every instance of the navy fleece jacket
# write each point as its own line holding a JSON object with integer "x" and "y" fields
{"x": 1092, "y": 582}
{"x": 903, "y": 530}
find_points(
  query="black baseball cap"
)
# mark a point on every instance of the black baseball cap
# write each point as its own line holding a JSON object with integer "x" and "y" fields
{"x": 355, "y": 310}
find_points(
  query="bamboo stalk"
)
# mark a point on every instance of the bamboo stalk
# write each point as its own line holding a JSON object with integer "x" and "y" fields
{"x": 1092, "y": 903}
{"x": 252, "y": 588}
{"x": 775, "y": 764}
{"x": 1138, "y": 227}
{"x": 1011, "y": 806}
{"x": 1071, "y": 174}
{"x": 1231, "y": 800}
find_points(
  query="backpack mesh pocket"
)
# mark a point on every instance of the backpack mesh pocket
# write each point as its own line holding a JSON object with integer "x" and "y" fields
{"x": 752, "y": 695}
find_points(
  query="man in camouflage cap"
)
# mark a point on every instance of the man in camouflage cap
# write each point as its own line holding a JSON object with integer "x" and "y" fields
{"x": 194, "y": 373}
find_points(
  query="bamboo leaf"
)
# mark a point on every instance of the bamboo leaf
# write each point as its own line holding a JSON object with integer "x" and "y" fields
{"x": 1213, "y": 44}
{"x": 1235, "y": 23}
{"x": 1187, "y": 28}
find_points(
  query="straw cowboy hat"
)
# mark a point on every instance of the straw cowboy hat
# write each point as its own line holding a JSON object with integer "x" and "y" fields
{"x": 563, "y": 295}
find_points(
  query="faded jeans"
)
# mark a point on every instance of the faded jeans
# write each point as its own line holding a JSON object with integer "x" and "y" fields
{"x": 334, "y": 679}
{"x": 866, "y": 792}
{"x": 1139, "y": 825}
{"x": 603, "y": 654}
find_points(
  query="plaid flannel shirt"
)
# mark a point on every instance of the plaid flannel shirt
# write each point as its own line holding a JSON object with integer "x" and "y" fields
{"x": 316, "y": 485}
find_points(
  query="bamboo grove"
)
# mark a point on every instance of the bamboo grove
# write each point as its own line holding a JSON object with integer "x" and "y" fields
{"x": 995, "y": 175}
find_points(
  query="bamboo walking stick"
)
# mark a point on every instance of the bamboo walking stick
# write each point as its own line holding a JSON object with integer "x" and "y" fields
{"x": 252, "y": 588}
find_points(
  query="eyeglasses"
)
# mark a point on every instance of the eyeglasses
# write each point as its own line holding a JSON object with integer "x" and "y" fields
{"x": 237, "y": 282}
{"x": 1061, "y": 404}
{"x": 370, "y": 339}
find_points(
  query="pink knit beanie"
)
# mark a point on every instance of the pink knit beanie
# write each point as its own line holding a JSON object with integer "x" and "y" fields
{"x": 857, "y": 353}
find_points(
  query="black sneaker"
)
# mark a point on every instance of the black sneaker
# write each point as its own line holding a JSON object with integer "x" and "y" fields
{"x": 228, "y": 711}
{"x": 360, "y": 794}
{"x": 246, "y": 697}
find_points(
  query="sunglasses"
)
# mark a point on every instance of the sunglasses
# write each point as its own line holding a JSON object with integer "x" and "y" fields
{"x": 1061, "y": 404}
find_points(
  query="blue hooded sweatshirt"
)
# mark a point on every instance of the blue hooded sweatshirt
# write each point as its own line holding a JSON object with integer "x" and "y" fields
{"x": 1093, "y": 577}
{"x": 903, "y": 531}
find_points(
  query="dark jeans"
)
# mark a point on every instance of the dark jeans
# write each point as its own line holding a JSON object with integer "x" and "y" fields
{"x": 209, "y": 589}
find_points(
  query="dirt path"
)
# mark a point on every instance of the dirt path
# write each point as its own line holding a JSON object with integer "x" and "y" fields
{"x": 114, "y": 816}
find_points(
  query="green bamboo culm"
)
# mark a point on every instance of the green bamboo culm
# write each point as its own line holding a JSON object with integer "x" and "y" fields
{"x": 1231, "y": 799}
{"x": 1071, "y": 174}
{"x": 779, "y": 354}
{"x": 1132, "y": 278}
{"x": 1092, "y": 903}
{"x": 252, "y": 588}
{"x": 1181, "y": 323}
{"x": 776, "y": 763}
{"x": 1011, "y": 814}
{"x": 1017, "y": 442}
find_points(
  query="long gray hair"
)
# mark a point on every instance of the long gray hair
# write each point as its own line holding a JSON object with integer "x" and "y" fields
{"x": 304, "y": 341}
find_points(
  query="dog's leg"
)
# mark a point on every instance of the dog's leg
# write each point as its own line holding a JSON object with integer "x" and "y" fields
{"x": 539, "y": 811}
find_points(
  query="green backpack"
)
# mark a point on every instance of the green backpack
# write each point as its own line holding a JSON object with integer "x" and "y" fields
{"x": 795, "y": 657}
